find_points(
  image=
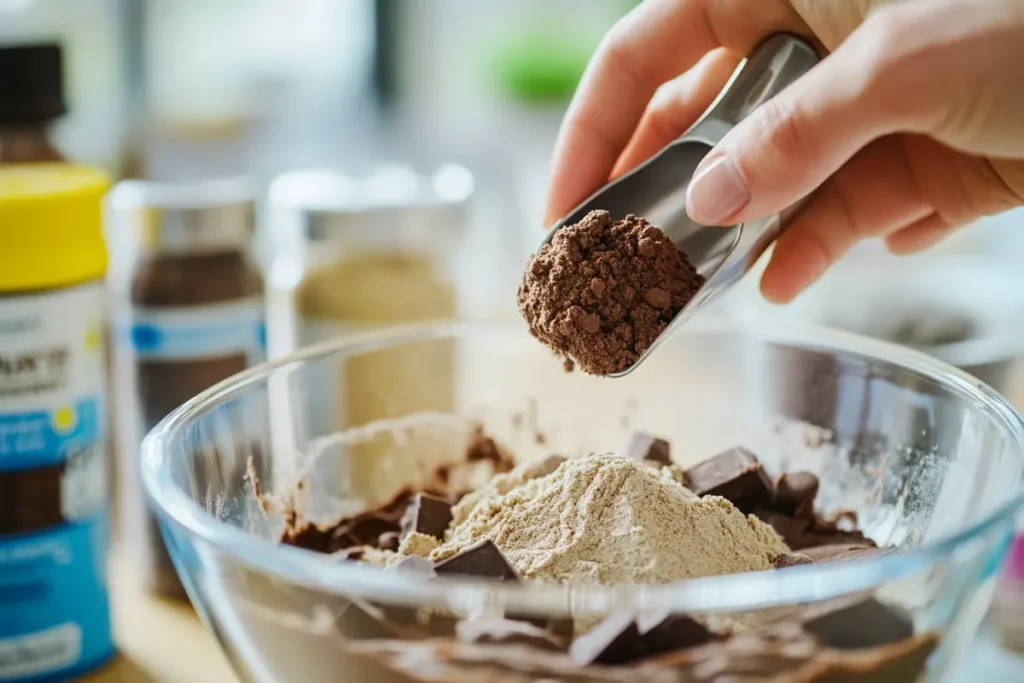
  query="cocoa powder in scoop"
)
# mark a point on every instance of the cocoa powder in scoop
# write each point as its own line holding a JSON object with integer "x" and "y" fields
{"x": 602, "y": 291}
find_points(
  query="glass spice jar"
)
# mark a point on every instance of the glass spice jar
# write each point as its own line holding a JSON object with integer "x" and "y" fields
{"x": 357, "y": 253}
{"x": 188, "y": 312}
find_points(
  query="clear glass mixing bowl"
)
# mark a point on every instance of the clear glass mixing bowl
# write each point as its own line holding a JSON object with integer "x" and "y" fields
{"x": 930, "y": 459}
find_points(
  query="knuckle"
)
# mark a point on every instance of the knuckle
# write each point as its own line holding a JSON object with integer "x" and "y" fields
{"x": 784, "y": 130}
{"x": 618, "y": 51}
{"x": 822, "y": 251}
{"x": 667, "y": 110}
{"x": 892, "y": 75}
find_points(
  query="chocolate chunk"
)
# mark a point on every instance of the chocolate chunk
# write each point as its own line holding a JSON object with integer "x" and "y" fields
{"x": 841, "y": 552}
{"x": 869, "y": 623}
{"x": 389, "y": 540}
{"x": 616, "y": 640}
{"x": 735, "y": 475}
{"x": 643, "y": 446}
{"x": 792, "y": 560}
{"x": 364, "y": 529}
{"x": 506, "y": 632}
{"x": 427, "y": 515}
{"x": 661, "y": 633}
{"x": 414, "y": 565}
{"x": 795, "y": 493}
{"x": 802, "y": 533}
{"x": 481, "y": 559}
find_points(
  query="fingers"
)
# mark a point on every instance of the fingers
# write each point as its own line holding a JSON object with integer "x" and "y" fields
{"x": 923, "y": 234}
{"x": 676, "y": 106}
{"x": 654, "y": 43}
{"x": 875, "y": 194}
{"x": 791, "y": 144}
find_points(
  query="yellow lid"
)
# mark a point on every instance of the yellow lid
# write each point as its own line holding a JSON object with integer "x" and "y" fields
{"x": 51, "y": 231}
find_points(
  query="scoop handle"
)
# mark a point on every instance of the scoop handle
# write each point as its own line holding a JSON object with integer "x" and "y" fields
{"x": 773, "y": 65}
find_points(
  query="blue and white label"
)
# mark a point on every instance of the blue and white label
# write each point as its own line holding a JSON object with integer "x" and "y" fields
{"x": 199, "y": 332}
{"x": 55, "y": 619}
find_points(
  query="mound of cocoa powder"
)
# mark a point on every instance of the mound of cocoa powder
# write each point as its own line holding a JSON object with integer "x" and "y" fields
{"x": 602, "y": 291}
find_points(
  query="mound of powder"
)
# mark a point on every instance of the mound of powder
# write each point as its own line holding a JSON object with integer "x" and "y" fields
{"x": 601, "y": 292}
{"x": 503, "y": 483}
{"x": 609, "y": 519}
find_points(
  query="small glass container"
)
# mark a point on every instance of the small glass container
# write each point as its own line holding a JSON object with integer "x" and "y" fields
{"x": 362, "y": 252}
{"x": 188, "y": 312}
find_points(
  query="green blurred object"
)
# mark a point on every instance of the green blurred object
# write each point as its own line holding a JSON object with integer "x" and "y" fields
{"x": 541, "y": 66}
{"x": 543, "y": 61}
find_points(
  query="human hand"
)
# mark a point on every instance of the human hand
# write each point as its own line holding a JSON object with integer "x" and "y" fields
{"x": 911, "y": 126}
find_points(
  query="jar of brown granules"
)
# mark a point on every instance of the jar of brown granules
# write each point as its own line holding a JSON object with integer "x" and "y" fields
{"x": 188, "y": 312}
{"x": 359, "y": 252}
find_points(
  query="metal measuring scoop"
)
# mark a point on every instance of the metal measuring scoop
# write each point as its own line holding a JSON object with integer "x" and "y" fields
{"x": 656, "y": 190}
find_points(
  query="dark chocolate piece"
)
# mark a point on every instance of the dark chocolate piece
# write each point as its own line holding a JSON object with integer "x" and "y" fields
{"x": 792, "y": 529}
{"x": 735, "y": 475}
{"x": 414, "y": 565}
{"x": 792, "y": 560}
{"x": 801, "y": 533}
{"x": 643, "y": 446}
{"x": 363, "y": 529}
{"x": 427, "y": 515}
{"x": 616, "y": 640}
{"x": 506, "y": 632}
{"x": 389, "y": 540}
{"x": 869, "y": 623}
{"x": 482, "y": 559}
{"x": 662, "y": 632}
{"x": 842, "y": 552}
{"x": 795, "y": 493}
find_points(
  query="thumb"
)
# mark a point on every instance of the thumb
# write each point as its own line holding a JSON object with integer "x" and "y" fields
{"x": 791, "y": 144}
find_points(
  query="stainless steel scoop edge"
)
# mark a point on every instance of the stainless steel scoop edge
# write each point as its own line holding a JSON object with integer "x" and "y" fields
{"x": 656, "y": 189}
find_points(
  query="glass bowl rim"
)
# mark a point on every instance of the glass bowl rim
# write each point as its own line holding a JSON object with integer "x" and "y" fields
{"x": 727, "y": 593}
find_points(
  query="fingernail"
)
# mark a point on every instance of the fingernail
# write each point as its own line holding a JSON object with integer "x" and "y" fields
{"x": 716, "y": 192}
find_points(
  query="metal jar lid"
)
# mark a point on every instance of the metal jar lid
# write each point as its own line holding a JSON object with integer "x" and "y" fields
{"x": 391, "y": 202}
{"x": 203, "y": 216}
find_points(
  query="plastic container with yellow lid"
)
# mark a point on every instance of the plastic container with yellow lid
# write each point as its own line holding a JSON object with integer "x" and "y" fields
{"x": 55, "y": 619}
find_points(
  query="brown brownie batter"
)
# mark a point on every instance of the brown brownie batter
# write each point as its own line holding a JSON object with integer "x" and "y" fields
{"x": 602, "y": 291}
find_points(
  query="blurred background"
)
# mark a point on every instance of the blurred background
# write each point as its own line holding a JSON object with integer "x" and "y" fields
{"x": 189, "y": 90}
{"x": 194, "y": 89}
